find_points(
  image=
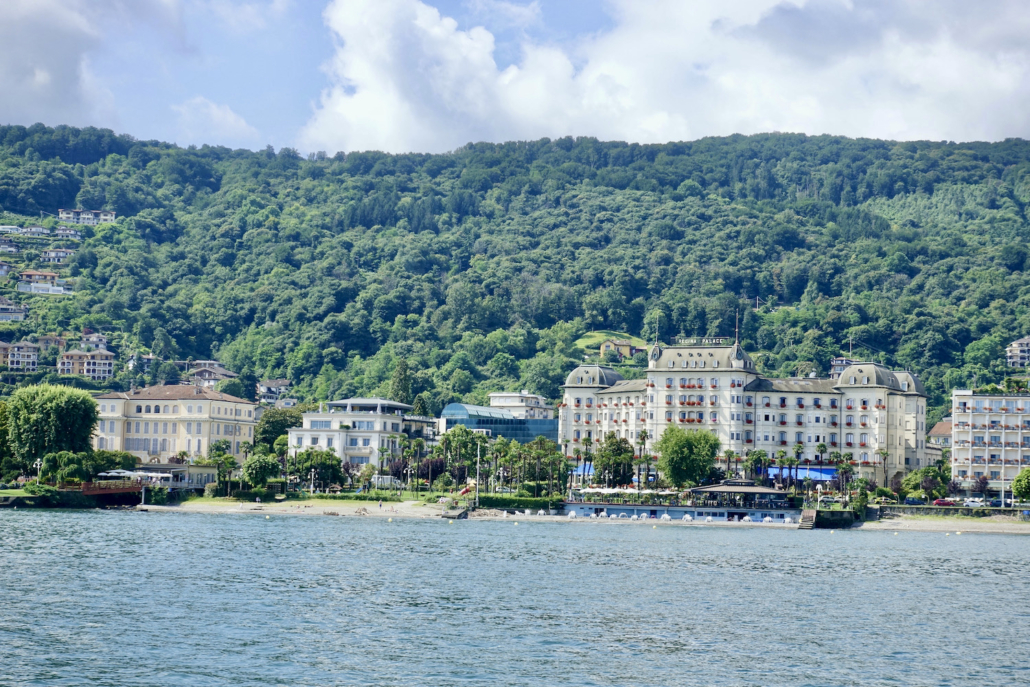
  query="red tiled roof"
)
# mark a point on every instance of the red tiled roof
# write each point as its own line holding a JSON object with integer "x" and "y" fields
{"x": 175, "y": 392}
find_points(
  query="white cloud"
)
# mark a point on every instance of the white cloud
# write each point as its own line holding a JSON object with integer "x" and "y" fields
{"x": 201, "y": 121}
{"x": 404, "y": 77}
{"x": 45, "y": 73}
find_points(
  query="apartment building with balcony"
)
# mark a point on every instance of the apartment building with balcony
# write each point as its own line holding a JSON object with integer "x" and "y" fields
{"x": 1017, "y": 353}
{"x": 271, "y": 390}
{"x": 158, "y": 422}
{"x": 22, "y": 356}
{"x": 91, "y": 217}
{"x": 11, "y": 311}
{"x": 96, "y": 365}
{"x": 361, "y": 430}
{"x": 56, "y": 256}
{"x": 868, "y": 412}
{"x": 990, "y": 437}
{"x": 522, "y": 404}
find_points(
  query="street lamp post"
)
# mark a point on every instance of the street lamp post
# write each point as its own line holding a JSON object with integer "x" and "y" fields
{"x": 39, "y": 466}
{"x": 312, "y": 475}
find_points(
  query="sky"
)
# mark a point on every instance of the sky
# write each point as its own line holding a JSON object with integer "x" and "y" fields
{"x": 432, "y": 75}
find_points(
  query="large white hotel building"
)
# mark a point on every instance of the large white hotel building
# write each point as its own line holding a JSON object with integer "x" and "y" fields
{"x": 709, "y": 384}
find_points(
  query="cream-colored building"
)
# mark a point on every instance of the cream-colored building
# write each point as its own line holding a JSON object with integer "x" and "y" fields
{"x": 713, "y": 386}
{"x": 157, "y": 422}
{"x": 522, "y": 405}
{"x": 990, "y": 437}
{"x": 97, "y": 365}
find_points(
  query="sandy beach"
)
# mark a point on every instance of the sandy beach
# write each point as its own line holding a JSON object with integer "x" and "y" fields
{"x": 997, "y": 524}
{"x": 417, "y": 509}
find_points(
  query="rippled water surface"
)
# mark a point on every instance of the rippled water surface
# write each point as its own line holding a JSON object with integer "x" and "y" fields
{"x": 124, "y": 598}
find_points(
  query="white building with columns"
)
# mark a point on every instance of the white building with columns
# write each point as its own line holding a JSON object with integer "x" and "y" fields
{"x": 709, "y": 384}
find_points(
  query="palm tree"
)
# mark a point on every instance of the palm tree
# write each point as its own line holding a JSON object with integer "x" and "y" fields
{"x": 577, "y": 453}
{"x": 820, "y": 451}
{"x": 729, "y": 455}
{"x": 780, "y": 455}
{"x": 642, "y": 438}
{"x": 754, "y": 462}
{"x": 799, "y": 450}
{"x": 884, "y": 454}
{"x": 789, "y": 462}
{"x": 587, "y": 443}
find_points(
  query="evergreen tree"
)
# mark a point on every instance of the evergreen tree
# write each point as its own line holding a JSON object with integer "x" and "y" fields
{"x": 400, "y": 385}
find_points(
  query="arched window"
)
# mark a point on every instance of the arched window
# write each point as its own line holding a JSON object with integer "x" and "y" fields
{"x": 139, "y": 409}
{"x": 166, "y": 409}
{"x": 148, "y": 409}
{"x": 175, "y": 409}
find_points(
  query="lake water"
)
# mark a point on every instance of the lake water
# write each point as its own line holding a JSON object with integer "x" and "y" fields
{"x": 124, "y": 598}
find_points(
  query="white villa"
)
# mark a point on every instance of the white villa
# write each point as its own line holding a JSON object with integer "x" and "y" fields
{"x": 361, "y": 430}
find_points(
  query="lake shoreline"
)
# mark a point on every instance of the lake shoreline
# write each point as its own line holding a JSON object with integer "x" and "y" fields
{"x": 422, "y": 511}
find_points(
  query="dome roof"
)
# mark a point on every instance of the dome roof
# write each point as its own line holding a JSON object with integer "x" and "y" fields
{"x": 592, "y": 375}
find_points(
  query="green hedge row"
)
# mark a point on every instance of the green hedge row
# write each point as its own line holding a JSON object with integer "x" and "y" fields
{"x": 500, "y": 501}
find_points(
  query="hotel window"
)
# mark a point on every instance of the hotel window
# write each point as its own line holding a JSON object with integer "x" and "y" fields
{"x": 668, "y": 415}
{"x": 189, "y": 428}
{"x": 175, "y": 428}
{"x": 300, "y": 441}
{"x": 783, "y": 436}
{"x": 165, "y": 411}
{"x": 329, "y": 442}
{"x": 200, "y": 409}
{"x": 314, "y": 441}
{"x": 164, "y": 428}
{"x": 365, "y": 442}
{"x": 799, "y": 437}
{"x": 799, "y": 418}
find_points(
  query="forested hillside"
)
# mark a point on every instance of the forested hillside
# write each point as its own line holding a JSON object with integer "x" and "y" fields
{"x": 482, "y": 267}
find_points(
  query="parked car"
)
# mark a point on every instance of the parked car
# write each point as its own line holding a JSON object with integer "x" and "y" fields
{"x": 996, "y": 503}
{"x": 913, "y": 501}
{"x": 973, "y": 503}
{"x": 944, "y": 502}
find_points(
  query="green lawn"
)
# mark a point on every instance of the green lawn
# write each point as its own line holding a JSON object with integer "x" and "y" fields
{"x": 13, "y": 492}
{"x": 591, "y": 341}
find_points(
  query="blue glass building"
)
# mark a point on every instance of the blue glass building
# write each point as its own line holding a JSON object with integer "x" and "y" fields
{"x": 498, "y": 423}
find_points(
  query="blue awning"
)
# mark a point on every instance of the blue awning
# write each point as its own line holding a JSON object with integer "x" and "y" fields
{"x": 815, "y": 474}
{"x": 583, "y": 469}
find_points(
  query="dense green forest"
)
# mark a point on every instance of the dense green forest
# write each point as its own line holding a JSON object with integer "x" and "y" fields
{"x": 482, "y": 267}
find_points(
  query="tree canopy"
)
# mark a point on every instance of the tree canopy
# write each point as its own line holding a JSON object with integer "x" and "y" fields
{"x": 483, "y": 267}
{"x": 47, "y": 419}
{"x": 686, "y": 455}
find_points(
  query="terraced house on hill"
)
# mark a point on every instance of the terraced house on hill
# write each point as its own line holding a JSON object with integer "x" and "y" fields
{"x": 707, "y": 384}
{"x": 97, "y": 365}
{"x": 157, "y": 422}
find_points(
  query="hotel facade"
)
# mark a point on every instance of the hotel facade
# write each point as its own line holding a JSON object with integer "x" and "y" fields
{"x": 867, "y": 411}
{"x": 158, "y": 422}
